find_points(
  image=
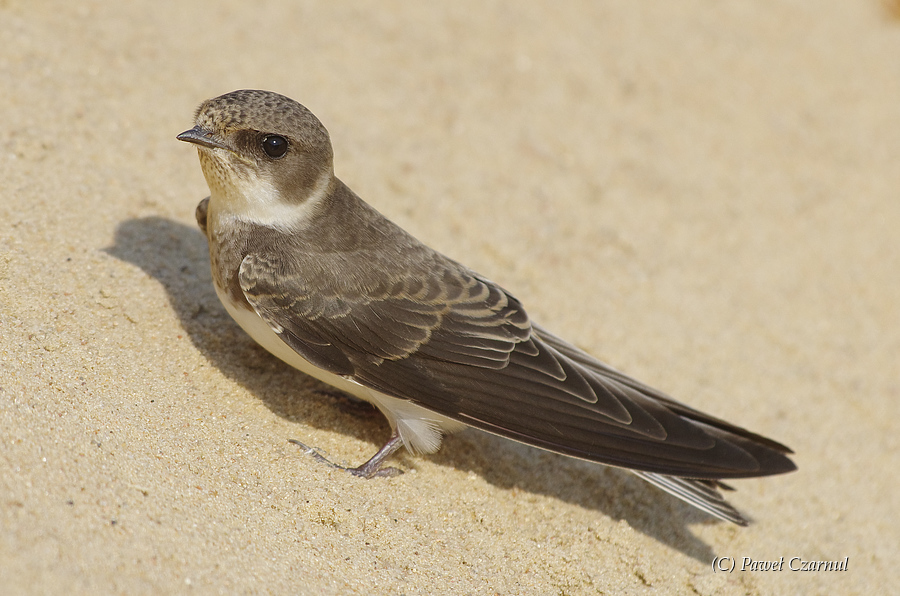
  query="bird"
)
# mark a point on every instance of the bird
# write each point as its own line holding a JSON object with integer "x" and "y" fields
{"x": 329, "y": 285}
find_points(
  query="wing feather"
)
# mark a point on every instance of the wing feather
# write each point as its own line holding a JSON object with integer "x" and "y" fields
{"x": 460, "y": 345}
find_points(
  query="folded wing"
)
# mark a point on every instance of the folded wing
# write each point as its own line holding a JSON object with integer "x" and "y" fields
{"x": 460, "y": 345}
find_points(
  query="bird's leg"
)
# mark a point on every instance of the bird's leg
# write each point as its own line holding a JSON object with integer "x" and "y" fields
{"x": 371, "y": 468}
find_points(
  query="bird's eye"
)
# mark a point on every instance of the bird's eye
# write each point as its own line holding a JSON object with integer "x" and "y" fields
{"x": 274, "y": 146}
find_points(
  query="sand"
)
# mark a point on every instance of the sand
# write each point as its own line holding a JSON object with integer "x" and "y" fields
{"x": 704, "y": 194}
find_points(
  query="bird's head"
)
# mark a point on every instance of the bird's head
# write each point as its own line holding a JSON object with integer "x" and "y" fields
{"x": 262, "y": 154}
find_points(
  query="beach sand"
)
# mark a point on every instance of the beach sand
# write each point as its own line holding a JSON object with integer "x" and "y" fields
{"x": 703, "y": 194}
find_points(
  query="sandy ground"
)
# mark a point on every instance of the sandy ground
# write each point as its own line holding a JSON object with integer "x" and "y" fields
{"x": 704, "y": 194}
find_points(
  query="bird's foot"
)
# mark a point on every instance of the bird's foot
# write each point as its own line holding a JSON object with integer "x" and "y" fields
{"x": 371, "y": 469}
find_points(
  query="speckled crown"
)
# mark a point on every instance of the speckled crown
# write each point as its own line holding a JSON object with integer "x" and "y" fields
{"x": 263, "y": 111}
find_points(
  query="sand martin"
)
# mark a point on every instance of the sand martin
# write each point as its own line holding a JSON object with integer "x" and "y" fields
{"x": 330, "y": 286}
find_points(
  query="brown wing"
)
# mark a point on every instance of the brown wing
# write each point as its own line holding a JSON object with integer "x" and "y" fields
{"x": 451, "y": 316}
{"x": 458, "y": 344}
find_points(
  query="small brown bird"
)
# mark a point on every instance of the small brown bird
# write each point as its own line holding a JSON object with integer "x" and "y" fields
{"x": 330, "y": 286}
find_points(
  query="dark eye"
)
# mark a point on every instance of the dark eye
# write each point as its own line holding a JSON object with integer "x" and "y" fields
{"x": 274, "y": 146}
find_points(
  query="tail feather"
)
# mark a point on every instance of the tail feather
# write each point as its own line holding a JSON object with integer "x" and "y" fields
{"x": 702, "y": 494}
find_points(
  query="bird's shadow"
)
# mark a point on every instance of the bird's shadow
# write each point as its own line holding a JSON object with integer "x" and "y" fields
{"x": 177, "y": 256}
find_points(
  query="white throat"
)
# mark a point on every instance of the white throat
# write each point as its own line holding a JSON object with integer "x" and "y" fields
{"x": 257, "y": 200}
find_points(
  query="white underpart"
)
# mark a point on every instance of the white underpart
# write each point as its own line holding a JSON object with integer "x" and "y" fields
{"x": 420, "y": 429}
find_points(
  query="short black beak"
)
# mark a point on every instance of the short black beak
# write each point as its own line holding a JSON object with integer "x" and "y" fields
{"x": 202, "y": 137}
